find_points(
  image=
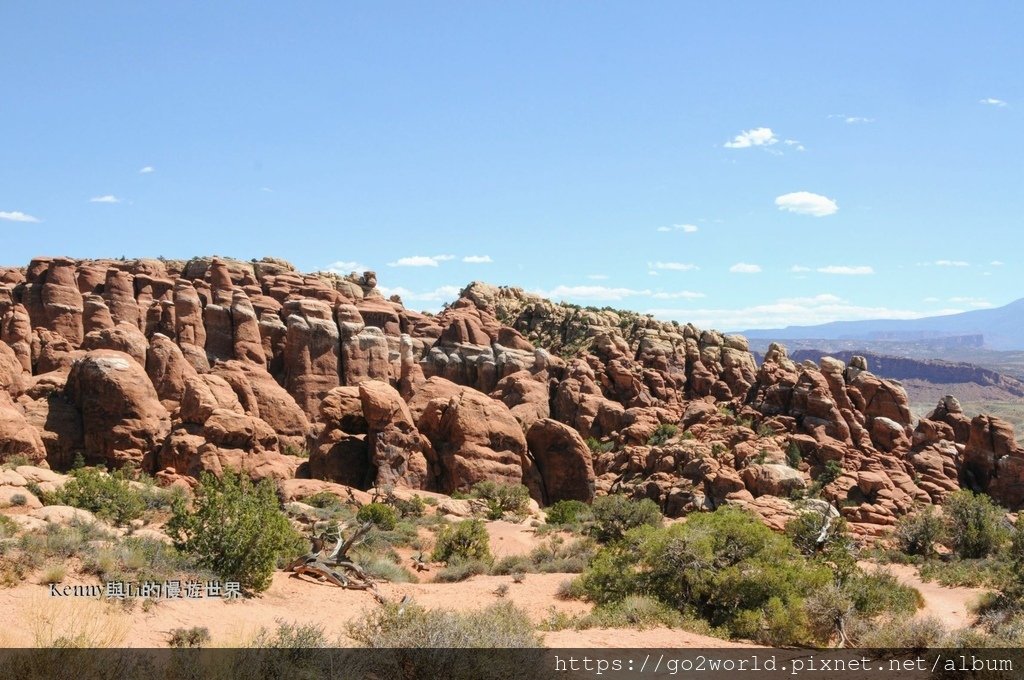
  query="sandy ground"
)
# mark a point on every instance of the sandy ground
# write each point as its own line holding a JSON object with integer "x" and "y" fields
{"x": 28, "y": 614}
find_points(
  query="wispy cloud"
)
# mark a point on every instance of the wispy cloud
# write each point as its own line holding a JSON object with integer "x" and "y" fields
{"x": 597, "y": 277}
{"x": 799, "y": 269}
{"x": 992, "y": 101}
{"x": 421, "y": 261}
{"x": 343, "y": 267}
{"x": 807, "y": 203}
{"x": 478, "y": 259}
{"x": 997, "y": 263}
{"x": 852, "y": 120}
{"x": 612, "y": 293}
{"x": 952, "y": 263}
{"x": 107, "y": 198}
{"x": 744, "y": 268}
{"x": 146, "y": 170}
{"x": 17, "y": 216}
{"x": 976, "y": 302}
{"x": 685, "y": 228}
{"x": 592, "y": 293}
{"x": 797, "y": 311}
{"x": 795, "y": 144}
{"x": 673, "y": 266}
{"x": 679, "y": 295}
{"x": 846, "y": 270}
{"x": 761, "y": 136}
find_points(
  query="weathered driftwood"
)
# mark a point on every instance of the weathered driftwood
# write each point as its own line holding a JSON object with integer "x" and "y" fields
{"x": 334, "y": 566}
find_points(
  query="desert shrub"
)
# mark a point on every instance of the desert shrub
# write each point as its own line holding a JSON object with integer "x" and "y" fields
{"x": 831, "y": 473}
{"x": 974, "y": 524}
{"x": 467, "y": 540}
{"x": 726, "y": 568}
{"x": 53, "y": 574}
{"x": 136, "y": 559}
{"x": 461, "y": 569}
{"x": 879, "y": 592}
{"x": 793, "y": 456}
{"x": 990, "y": 571}
{"x": 383, "y": 516}
{"x": 108, "y": 496}
{"x": 615, "y": 515}
{"x": 8, "y": 527}
{"x": 324, "y": 500}
{"x": 917, "y": 534}
{"x": 898, "y": 633}
{"x": 19, "y": 499}
{"x": 409, "y": 507}
{"x": 567, "y": 512}
{"x": 597, "y": 446}
{"x": 662, "y": 434}
{"x": 291, "y": 636}
{"x": 502, "y": 498}
{"x": 235, "y": 529}
{"x": 500, "y": 625}
{"x": 555, "y": 556}
{"x": 189, "y": 638}
{"x": 633, "y": 611}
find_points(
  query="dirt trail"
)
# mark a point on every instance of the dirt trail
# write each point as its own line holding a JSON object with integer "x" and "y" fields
{"x": 951, "y": 606}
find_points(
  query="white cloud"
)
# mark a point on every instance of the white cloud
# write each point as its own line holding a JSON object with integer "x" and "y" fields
{"x": 807, "y": 203}
{"x": 597, "y": 277}
{"x": 17, "y": 216}
{"x": 852, "y": 120}
{"x": 478, "y": 259}
{"x": 267, "y": 190}
{"x": 996, "y": 263}
{"x": 107, "y": 198}
{"x": 799, "y": 269}
{"x": 421, "y": 261}
{"x": 744, "y": 268}
{"x": 439, "y": 294}
{"x": 798, "y": 311}
{"x": 846, "y": 270}
{"x": 673, "y": 266}
{"x": 146, "y": 170}
{"x": 992, "y": 101}
{"x": 682, "y": 294}
{"x": 343, "y": 267}
{"x": 795, "y": 144}
{"x": 932, "y": 299}
{"x": 685, "y": 228}
{"x": 952, "y": 263}
{"x": 761, "y": 136}
{"x": 592, "y": 293}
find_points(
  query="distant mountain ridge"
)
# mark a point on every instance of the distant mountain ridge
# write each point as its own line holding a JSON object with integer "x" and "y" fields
{"x": 1002, "y": 328}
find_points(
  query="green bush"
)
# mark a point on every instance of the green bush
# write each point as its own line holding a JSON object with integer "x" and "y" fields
{"x": 502, "y": 498}
{"x": 793, "y": 456}
{"x": 974, "y": 524}
{"x": 662, "y": 434}
{"x": 108, "y": 496}
{"x": 383, "y": 516}
{"x": 598, "y": 447}
{"x": 615, "y": 515}
{"x": 467, "y": 540}
{"x": 726, "y": 568}
{"x": 879, "y": 592}
{"x": 917, "y": 534}
{"x": 410, "y": 507}
{"x": 459, "y": 570}
{"x": 567, "y": 512}
{"x": 235, "y": 529}
{"x": 324, "y": 500}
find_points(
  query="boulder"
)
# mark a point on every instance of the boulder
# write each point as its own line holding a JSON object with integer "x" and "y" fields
{"x": 563, "y": 461}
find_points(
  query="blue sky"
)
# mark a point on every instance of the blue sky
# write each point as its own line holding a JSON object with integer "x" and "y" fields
{"x": 733, "y": 164}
